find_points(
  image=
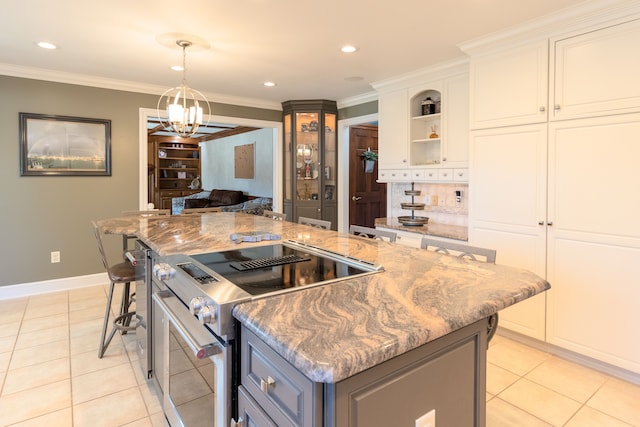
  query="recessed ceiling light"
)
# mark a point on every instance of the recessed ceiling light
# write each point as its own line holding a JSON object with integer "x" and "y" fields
{"x": 269, "y": 84}
{"x": 177, "y": 68}
{"x": 348, "y": 49}
{"x": 47, "y": 45}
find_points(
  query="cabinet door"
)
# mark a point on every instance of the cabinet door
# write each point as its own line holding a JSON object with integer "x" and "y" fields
{"x": 510, "y": 87}
{"x": 594, "y": 242}
{"x": 251, "y": 414}
{"x": 393, "y": 141}
{"x": 507, "y": 189}
{"x": 597, "y": 73}
{"x": 455, "y": 149}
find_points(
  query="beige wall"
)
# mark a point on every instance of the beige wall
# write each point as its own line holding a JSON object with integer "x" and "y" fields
{"x": 44, "y": 214}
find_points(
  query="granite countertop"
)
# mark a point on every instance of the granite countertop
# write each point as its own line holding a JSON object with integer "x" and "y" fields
{"x": 456, "y": 232}
{"x": 334, "y": 331}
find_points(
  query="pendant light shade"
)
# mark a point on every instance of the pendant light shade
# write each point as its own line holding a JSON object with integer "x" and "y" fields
{"x": 184, "y": 107}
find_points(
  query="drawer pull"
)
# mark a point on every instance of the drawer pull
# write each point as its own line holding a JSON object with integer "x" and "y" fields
{"x": 265, "y": 385}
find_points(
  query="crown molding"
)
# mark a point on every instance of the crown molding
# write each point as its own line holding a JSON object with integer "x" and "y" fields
{"x": 123, "y": 85}
{"x": 587, "y": 15}
{"x": 358, "y": 99}
{"x": 424, "y": 75}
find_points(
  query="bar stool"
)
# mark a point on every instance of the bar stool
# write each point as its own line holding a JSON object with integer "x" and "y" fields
{"x": 121, "y": 273}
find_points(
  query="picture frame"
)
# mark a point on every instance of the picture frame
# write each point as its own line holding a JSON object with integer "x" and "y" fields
{"x": 53, "y": 145}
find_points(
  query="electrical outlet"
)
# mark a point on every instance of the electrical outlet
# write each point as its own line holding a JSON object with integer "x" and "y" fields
{"x": 427, "y": 420}
{"x": 434, "y": 200}
{"x": 55, "y": 257}
{"x": 427, "y": 200}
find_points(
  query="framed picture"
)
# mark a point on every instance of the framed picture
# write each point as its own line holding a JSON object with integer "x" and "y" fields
{"x": 62, "y": 145}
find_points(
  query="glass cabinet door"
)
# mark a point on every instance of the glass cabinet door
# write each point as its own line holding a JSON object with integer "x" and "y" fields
{"x": 310, "y": 160}
{"x": 307, "y": 157}
{"x": 330, "y": 158}
{"x": 288, "y": 137}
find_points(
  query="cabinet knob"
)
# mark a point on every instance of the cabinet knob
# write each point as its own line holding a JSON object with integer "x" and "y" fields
{"x": 549, "y": 223}
{"x": 404, "y": 160}
{"x": 556, "y": 107}
{"x": 540, "y": 222}
{"x": 265, "y": 385}
{"x": 542, "y": 109}
{"x": 444, "y": 159}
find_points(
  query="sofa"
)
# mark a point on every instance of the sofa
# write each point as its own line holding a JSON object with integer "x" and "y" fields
{"x": 217, "y": 198}
{"x": 226, "y": 200}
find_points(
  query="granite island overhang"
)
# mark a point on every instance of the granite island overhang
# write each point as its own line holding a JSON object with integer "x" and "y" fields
{"x": 334, "y": 331}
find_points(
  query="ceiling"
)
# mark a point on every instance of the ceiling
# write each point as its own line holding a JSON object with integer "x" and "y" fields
{"x": 242, "y": 43}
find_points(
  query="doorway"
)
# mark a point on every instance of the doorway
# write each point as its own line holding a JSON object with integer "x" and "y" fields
{"x": 367, "y": 197}
{"x": 276, "y": 128}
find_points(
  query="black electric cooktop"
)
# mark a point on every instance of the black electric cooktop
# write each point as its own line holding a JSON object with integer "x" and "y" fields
{"x": 263, "y": 269}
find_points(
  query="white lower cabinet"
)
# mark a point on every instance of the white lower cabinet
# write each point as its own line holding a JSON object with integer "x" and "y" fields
{"x": 593, "y": 244}
{"x": 579, "y": 229}
{"x": 507, "y": 204}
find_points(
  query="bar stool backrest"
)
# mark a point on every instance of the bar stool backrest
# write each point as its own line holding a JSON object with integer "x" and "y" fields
{"x": 318, "y": 223}
{"x": 275, "y": 215}
{"x": 372, "y": 233}
{"x": 463, "y": 251}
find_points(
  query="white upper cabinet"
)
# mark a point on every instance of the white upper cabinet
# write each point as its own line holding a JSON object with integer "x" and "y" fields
{"x": 591, "y": 73}
{"x": 423, "y": 125}
{"x": 596, "y": 73}
{"x": 393, "y": 111}
{"x": 455, "y": 122}
{"x": 510, "y": 87}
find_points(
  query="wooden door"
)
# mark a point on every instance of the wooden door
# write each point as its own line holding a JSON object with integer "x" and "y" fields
{"x": 367, "y": 198}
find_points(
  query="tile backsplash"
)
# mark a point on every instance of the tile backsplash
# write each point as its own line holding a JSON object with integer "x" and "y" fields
{"x": 447, "y": 210}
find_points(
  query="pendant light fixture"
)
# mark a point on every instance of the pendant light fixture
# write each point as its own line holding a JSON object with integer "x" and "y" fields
{"x": 184, "y": 107}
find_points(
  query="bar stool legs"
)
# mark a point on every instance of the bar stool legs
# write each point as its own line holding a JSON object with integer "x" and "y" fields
{"x": 122, "y": 322}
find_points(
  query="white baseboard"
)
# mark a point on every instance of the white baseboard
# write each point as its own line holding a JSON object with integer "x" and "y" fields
{"x": 572, "y": 356}
{"x": 55, "y": 285}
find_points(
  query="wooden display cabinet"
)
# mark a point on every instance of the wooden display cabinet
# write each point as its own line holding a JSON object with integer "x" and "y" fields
{"x": 174, "y": 163}
{"x": 310, "y": 160}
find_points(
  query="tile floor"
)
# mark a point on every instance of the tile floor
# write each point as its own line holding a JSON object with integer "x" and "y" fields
{"x": 50, "y": 375}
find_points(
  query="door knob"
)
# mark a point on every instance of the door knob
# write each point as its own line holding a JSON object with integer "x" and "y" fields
{"x": 355, "y": 199}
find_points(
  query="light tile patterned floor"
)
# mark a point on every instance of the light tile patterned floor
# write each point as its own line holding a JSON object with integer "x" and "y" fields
{"x": 527, "y": 387}
{"x": 50, "y": 375}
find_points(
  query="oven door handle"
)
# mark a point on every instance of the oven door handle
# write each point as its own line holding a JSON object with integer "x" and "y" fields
{"x": 201, "y": 351}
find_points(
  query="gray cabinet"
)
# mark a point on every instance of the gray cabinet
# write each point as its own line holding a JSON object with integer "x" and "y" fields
{"x": 283, "y": 392}
{"x": 310, "y": 160}
{"x": 445, "y": 378}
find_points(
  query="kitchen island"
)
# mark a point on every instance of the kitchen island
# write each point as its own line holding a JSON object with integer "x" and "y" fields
{"x": 425, "y": 310}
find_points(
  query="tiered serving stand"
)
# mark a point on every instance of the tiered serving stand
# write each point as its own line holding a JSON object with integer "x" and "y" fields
{"x": 413, "y": 220}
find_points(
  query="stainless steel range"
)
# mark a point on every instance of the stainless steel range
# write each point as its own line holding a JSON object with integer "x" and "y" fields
{"x": 201, "y": 291}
